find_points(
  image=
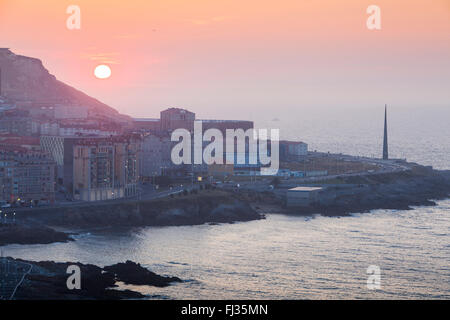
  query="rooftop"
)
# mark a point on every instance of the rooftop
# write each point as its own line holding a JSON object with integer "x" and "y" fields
{"x": 19, "y": 140}
{"x": 177, "y": 110}
{"x": 291, "y": 142}
{"x": 306, "y": 189}
{"x": 146, "y": 119}
{"x": 220, "y": 121}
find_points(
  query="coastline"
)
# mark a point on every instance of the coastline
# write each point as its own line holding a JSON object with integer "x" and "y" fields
{"x": 49, "y": 225}
{"x": 413, "y": 188}
{"x": 186, "y": 252}
{"x": 418, "y": 186}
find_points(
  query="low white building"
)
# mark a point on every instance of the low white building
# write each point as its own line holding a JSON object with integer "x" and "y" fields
{"x": 302, "y": 196}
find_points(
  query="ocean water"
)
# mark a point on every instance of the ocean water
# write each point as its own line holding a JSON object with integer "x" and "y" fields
{"x": 419, "y": 135}
{"x": 293, "y": 257}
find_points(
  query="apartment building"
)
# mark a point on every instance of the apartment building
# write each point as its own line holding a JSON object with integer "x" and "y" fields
{"x": 105, "y": 168}
{"x": 26, "y": 176}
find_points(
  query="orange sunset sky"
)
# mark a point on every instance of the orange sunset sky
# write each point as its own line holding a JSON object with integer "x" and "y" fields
{"x": 240, "y": 58}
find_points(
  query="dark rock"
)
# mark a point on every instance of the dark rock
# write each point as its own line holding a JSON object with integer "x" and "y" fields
{"x": 47, "y": 280}
{"x": 133, "y": 273}
{"x": 16, "y": 233}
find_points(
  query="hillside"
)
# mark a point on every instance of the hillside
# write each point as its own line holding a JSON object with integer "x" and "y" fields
{"x": 26, "y": 81}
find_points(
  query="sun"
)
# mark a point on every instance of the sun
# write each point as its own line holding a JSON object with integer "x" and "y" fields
{"x": 102, "y": 71}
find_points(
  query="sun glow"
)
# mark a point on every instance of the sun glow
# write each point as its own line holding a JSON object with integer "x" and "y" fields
{"x": 102, "y": 71}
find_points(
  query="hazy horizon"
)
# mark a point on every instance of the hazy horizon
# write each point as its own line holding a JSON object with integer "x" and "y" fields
{"x": 238, "y": 61}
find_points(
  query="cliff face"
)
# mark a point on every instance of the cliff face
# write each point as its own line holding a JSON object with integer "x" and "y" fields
{"x": 25, "y": 79}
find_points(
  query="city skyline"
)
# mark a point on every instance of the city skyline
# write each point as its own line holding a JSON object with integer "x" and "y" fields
{"x": 239, "y": 152}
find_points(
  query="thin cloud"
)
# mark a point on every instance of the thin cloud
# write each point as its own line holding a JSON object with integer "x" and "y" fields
{"x": 212, "y": 20}
{"x": 128, "y": 36}
{"x": 108, "y": 57}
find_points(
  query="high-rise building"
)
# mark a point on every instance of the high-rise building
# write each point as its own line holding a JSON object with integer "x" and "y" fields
{"x": 151, "y": 155}
{"x": 155, "y": 157}
{"x": 61, "y": 150}
{"x": 95, "y": 168}
{"x": 26, "y": 176}
{"x": 176, "y": 118}
{"x": 105, "y": 168}
{"x": 126, "y": 164}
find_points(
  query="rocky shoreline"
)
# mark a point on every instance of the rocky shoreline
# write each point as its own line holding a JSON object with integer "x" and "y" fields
{"x": 418, "y": 186}
{"x": 210, "y": 206}
{"x": 14, "y": 233}
{"x": 37, "y": 226}
{"x": 48, "y": 280}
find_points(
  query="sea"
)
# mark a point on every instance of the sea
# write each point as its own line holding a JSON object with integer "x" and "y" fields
{"x": 298, "y": 257}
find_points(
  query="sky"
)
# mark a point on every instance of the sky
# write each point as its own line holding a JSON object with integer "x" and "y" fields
{"x": 239, "y": 59}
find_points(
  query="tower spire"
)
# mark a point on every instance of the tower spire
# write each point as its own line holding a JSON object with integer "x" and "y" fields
{"x": 385, "y": 141}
